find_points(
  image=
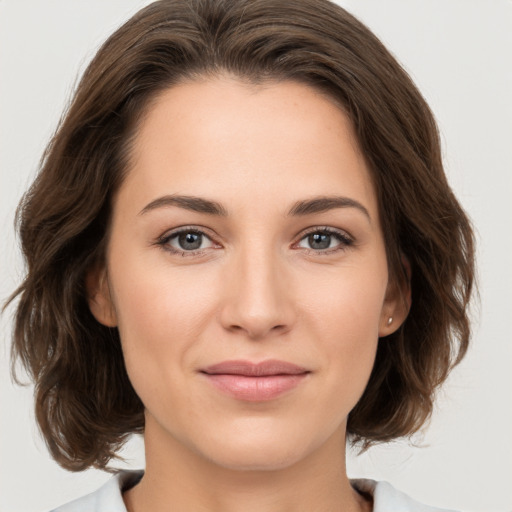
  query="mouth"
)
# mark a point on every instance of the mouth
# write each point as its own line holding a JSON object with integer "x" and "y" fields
{"x": 255, "y": 382}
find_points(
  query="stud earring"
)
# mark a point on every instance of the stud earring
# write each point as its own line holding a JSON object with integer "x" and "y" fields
{"x": 390, "y": 320}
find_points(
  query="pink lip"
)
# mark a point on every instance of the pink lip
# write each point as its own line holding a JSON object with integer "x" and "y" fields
{"x": 255, "y": 382}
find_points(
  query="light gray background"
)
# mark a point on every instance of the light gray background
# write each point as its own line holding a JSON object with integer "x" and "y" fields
{"x": 460, "y": 53}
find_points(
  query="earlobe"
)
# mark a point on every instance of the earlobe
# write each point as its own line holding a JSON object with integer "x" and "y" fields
{"x": 393, "y": 315}
{"x": 397, "y": 302}
{"x": 99, "y": 297}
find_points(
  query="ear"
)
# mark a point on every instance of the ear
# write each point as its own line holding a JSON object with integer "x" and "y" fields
{"x": 397, "y": 302}
{"x": 99, "y": 297}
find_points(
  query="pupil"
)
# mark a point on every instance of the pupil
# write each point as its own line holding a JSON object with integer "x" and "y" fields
{"x": 190, "y": 241}
{"x": 320, "y": 241}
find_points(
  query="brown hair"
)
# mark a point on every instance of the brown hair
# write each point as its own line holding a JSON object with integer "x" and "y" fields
{"x": 85, "y": 404}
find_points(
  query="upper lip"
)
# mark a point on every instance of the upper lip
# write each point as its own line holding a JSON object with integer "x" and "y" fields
{"x": 250, "y": 369}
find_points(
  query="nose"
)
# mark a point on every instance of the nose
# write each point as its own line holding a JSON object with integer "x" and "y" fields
{"x": 258, "y": 296}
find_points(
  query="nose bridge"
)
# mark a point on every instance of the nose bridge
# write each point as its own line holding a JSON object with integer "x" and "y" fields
{"x": 257, "y": 301}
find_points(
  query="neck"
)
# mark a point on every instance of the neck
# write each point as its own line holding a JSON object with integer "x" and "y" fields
{"x": 177, "y": 478}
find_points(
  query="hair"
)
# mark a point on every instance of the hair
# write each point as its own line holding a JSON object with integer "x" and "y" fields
{"x": 85, "y": 405}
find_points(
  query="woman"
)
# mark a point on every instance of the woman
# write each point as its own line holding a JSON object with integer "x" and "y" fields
{"x": 241, "y": 243}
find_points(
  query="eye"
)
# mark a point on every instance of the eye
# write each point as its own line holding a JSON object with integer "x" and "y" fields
{"x": 186, "y": 242}
{"x": 325, "y": 240}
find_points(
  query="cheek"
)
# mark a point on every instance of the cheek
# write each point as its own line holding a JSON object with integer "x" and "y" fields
{"x": 348, "y": 301}
{"x": 161, "y": 315}
{"x": 343, "y": 314}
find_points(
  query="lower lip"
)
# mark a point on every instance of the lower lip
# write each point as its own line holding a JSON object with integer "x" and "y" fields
{"x": 255, "y": 389}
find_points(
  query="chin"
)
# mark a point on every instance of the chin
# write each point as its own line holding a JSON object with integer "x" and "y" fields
{"x": 262, "y": 449}
{"x": 256, "y": 458}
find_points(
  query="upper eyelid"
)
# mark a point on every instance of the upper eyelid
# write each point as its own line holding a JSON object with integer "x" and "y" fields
{"x": 206, "y": 231}
{"x": 170, "y": 233}
{"x": 330, "y": 229}
{"x": 326, "y": 229}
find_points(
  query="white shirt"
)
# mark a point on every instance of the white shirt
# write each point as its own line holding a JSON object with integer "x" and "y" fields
{"x": 109, "y": 497}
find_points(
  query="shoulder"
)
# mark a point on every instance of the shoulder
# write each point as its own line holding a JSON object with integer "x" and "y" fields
{"x": 108, "y": 497}
{"x": 388, "y": 499}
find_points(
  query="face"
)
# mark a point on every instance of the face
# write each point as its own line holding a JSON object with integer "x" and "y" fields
{"x": 246, "y": 272}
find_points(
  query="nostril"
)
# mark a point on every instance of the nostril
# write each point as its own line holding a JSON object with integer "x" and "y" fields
{"x": 255, "y": 311}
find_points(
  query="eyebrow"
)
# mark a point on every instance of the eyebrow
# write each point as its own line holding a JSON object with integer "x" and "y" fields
{"x": 325, "y": 203}
{"x": 195, "y": 204}
{"x": 300, "y": 208}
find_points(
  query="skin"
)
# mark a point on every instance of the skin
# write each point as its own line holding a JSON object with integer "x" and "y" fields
{"x": 257, "y": 289}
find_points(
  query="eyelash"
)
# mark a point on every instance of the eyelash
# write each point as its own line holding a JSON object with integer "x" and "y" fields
{"x": 345, "y": 240}
{"x": 164, "y": 240}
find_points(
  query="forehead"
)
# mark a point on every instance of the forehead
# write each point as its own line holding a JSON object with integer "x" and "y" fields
{"x": 224, "y": 138}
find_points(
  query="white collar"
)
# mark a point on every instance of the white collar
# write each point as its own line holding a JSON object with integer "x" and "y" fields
{"x": 108, "y": 498}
